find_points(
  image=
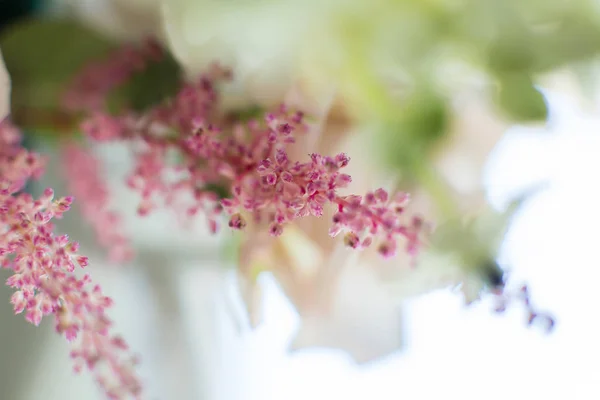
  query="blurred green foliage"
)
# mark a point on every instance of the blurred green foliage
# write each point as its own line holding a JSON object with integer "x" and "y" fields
{"x": 421, "y": 123}
{"x": 42, "y": 55}
{"x": 512, "y": 42}
{"x": 502, "y": 37}
{"x": 520, "y": 99}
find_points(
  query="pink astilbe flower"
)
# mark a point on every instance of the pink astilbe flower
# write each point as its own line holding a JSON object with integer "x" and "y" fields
{"x": 377, "y": 215}
{"x": 83, "y": 173}
{"x": 89, "y": 89}
{"x": 249, "y": 162}
{"x": 43, "y": 266}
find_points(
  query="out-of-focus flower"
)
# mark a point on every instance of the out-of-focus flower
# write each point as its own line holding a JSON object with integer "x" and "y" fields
{"x": 261, "y": 41}
{"x": 85, "y": 180}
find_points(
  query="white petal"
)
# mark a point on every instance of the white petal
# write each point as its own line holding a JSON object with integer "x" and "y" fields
{"x": 356, "y": 314}
{"x": 4, "y": 90}
{"x": 259, "y": 40}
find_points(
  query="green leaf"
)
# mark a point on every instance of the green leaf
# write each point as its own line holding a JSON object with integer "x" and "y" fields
{"x": 42, "y": 55}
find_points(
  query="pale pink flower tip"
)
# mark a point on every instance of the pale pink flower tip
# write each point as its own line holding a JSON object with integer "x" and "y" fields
{"x": 84, "y": 178}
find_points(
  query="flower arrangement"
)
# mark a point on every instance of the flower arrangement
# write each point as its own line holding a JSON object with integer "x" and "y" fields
{"x": 252, "y": 149}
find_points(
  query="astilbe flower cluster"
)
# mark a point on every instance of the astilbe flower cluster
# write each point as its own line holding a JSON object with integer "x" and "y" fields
{"x": 190, "y": 157}
{"x": 44, "y": 265}
{"x": 84, "y": 179}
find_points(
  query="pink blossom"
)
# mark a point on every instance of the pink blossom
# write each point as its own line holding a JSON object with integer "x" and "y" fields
{"x": 43, "y": 266}
{"x": 250, "y": 161}
{"x": 84, "y": 179}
